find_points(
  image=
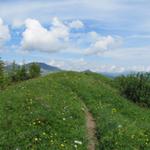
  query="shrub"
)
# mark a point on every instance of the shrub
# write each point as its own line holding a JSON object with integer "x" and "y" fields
{"x": 13, "y": 75}
{"x": 1, "y": 73}
{"x": 18, "y": 73}
{"x": 34, "y": 70}
{"x": 22, "y": 73}
{"x": 135, "y": 87}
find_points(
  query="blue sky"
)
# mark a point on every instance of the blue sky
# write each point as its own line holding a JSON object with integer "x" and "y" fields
{"x": 104, "y": 36}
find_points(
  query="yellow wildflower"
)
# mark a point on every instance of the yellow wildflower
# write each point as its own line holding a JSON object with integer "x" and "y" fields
{"x": 114, "y": 110}
{"x": 62, "y": 145}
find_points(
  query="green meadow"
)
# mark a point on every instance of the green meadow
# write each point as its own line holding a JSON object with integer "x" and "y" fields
{"x": 48, "y": 113}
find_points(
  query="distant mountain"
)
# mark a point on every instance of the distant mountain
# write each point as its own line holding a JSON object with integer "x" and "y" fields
{"x": 113, "y": 74}
{"x": 8, "y": 67}
{"x": 87, "y": 71}
{"x": 110, "y": 74}
{"x": 45, "y": 68}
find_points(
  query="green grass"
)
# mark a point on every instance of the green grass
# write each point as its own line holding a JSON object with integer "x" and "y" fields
{"x": 41, "y": 114}
{"x": 47, "y": 113}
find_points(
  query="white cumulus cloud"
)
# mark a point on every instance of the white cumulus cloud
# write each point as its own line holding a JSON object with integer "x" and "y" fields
{"x": 37, "y": 37}
{"x": 4, "y": 33}
{"x": 77, "y": 24}
{"x": 100, "y": 44}
{"x": 59, "y": 37}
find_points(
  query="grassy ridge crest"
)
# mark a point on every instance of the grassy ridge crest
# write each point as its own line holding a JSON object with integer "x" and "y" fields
{"x": 47, "y": 113}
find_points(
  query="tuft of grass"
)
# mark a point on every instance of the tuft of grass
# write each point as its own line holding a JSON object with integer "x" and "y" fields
{"x": 47, "y": 113}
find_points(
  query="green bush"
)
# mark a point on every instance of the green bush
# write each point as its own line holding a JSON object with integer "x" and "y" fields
{"x": 34, "y": 70}
{"x": 22, "y": 73}
{"x": 135, "y": 87}
{"x": 13, "y": 73}
{"x": 1, "y": 74}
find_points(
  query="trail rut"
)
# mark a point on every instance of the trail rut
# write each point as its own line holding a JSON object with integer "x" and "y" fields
{"x": 91, "y": 130}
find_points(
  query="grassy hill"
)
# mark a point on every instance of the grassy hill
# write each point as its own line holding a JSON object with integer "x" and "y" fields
{"x": 49, "y": 113}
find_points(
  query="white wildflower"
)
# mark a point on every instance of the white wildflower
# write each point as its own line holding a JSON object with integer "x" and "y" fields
{"x": 119, "y": 126}
{"x": 78, "y": 142}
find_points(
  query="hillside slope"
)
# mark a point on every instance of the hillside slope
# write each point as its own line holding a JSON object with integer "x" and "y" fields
{"x": 48, "y": 113}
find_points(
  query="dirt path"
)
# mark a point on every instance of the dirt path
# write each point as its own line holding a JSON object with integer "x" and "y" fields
{"x": 90, "y": 125}
{"x": 91, "y": 130}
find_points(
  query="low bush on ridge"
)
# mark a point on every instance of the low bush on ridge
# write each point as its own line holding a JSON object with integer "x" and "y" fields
{"x": 135, "y": 87}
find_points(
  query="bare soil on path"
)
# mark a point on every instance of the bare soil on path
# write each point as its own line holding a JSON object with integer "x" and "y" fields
{"x": 91, "y": 130}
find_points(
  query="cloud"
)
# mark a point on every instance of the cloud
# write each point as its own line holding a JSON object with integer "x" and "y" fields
{"x": 81, "y": 64}
{"x": 4, "y": 33}
{"x": 127, "y": 55}
{"x": 101, "y": 44}
{"x": 76, "y": 24}
{"x": 42, "y": 11}
{"x": 17, "y": 23}
{"x": 107, "y": 18}
{"x": 115, "y": 14}
{"x": 69, "y": 64}
{"x": 37, "y": 37}
{"x": 56, "y": 38}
